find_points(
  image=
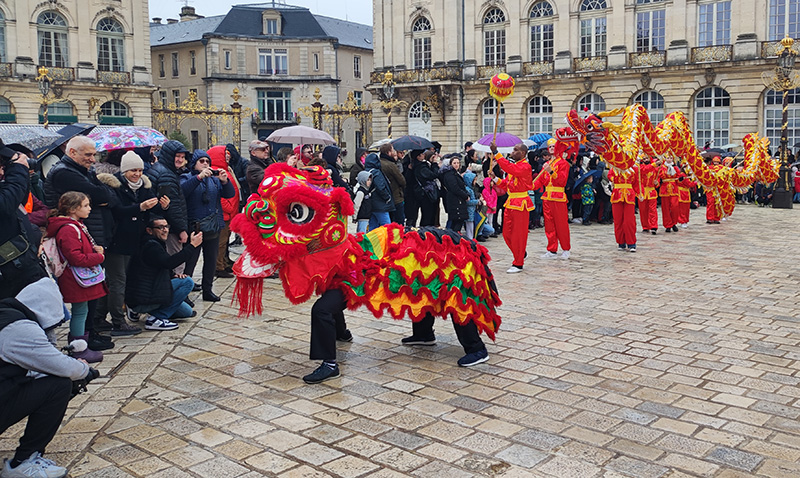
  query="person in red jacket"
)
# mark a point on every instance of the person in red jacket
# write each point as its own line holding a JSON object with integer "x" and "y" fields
{"x": 623, "y": 206}
{"x": 230, "y": 208}
{"x": 685, "y": 188}
{"x": 517, "y": 183}
{"x": 648, "y": 203}
{"x": 712, "y": 209}
{"x": 78, "y": 248}
{"x": 669, "y": 174}
{"x": 553, "y": 178}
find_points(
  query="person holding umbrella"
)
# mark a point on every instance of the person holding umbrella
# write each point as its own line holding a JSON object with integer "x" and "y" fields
{"x": 517, "y": 183}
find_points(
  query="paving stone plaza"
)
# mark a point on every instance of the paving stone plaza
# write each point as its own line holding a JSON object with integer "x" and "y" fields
{"x": 679, "y": 360}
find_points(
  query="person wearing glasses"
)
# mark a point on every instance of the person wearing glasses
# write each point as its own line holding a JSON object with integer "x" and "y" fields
{"x": 151, "y": 286}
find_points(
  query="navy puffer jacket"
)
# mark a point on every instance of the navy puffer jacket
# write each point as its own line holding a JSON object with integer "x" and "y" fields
{"x": 165, "y": 173}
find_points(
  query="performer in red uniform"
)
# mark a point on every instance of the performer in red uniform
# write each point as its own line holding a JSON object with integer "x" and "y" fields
{"x": 712, "y": 210}
{"x": 623, "y": 206}
{"x": 685, "y": 188}
{"x": 517, "y": 183}
{"x": 669, "y": 175}
{"x": 553, "y": 178}
{"x": 648, "y": 204}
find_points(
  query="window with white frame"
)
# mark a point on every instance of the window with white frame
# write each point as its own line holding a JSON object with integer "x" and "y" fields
{"x": 357, "y": 66}
{"x": 421, "y": 39}
{"x": 162, "y": 96}
{"x": 714, "y": 24}
{"x": 273, "y": 61}
{"x": 192, "y": 63}
{"x": 650, "y": 30}
{"x": 53, "y": 45}
{"x": 593, "y": 28}
{"x": 316, "y": 62}
{"x": 2, "y": 37}
{"x": 115, "y": 112}
{"x": 161, "y": 68}
{"x": 110, "y": 45}
{"x": 591, "y": 103}
{"x": 61, "y": 112}
{"x": 494, "y": 37}
{"x": 784, "y": 19}
{"x": 489, "y": 113}
{"x": 265, "y": 61}
{"x": 653, "y": 102}
{"x": 358, "y": 97}
{"x": 227, "y": 55}
{"x": 540, "y": 116}
{"x": 541, "y": 32}
{"x": 773, "y": 116}
{"x": 175, "y": 63}
{"x": 275, "y": 105}
{"x": 176, "y": 97}
{"x": 5, "y": 106}
{"x": 712, "y": 114}
{"x": 271, "y": 26}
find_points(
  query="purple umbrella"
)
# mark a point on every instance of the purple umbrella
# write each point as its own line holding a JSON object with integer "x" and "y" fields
{"x": 505, "y": 143}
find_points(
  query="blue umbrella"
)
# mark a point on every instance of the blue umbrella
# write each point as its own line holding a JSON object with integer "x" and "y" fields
{"x": 540, "y": 139}
{"x": 594, "y": 173}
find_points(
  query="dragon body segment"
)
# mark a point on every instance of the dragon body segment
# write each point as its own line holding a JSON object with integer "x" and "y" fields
{"x": 295, "y": 225}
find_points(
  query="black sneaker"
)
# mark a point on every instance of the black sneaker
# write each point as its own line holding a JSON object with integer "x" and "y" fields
{"x": 125, "y": 330}
{"x": 414, "y": 340}
{"x": 653, "y": 231}
{"x": 99, "y": 342}
{"x": 674, "y": 228}
{"x": 474, "y": 358}
{"x": 132, "y": 316}
{"x": 347, "y": 337}
{"x": 322, "y": 373}
{"x": 103, "y": 326}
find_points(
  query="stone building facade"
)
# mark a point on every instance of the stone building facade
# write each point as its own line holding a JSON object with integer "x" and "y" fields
{"x": 277, "y": 55}
{"x": 702, "y": 57}
{"x": 96, "y": 52}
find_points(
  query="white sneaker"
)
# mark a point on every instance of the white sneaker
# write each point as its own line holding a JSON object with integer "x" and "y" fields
{"x": 684, "y": 225}
{"x": 36, "y": 466}
{"x": 153, "y": 323}
{"x": 565, "y": 255}
{"x": 514, "y": 270}
{"x": 722, "y": 219}
{"x": 549, "y": 255}
{"x": 577, "y": 221}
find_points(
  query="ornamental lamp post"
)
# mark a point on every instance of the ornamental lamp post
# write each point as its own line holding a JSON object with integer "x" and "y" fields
{"x": 44, "y": 88}
{"x": 389, "y": 101}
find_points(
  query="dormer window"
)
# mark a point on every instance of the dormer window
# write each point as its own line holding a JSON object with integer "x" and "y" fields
{"x": 271, "y": 20}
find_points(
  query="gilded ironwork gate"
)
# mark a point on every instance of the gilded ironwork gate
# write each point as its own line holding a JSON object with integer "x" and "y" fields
{"x": 222, "y": 125}
{"x": 332, "y": 119}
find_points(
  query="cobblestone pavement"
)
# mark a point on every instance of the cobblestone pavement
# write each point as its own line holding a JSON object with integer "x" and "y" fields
{"x": 678, "y": 360}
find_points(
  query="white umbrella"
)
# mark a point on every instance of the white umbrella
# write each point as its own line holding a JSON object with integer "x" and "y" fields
{"x": 730, "y": 146}
{"x": 377, "y": 144}
{"x": 300, "y": 134}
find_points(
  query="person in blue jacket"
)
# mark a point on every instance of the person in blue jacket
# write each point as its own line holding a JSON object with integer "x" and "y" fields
{"x": 381, "y": 197}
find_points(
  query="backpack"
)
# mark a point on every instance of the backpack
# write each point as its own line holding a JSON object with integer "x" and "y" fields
{"x": 54, "y": 262}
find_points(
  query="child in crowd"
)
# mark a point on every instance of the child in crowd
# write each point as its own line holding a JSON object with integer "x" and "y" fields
{"x": 361, "y": 202}
{"x": 469, "y": 182}
{"x": 587, "y": 199}
{"x": 489, "y": 195}
{"x": 79, "y": 250}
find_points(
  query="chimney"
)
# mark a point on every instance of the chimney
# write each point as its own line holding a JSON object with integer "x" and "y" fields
{"x": 157, "y": 20}
{"x": 170, "y": 21}
{"x": 188, "y": 13}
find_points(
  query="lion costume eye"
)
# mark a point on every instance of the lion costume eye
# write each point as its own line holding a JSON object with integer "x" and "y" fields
{"x": 300, "y": 213}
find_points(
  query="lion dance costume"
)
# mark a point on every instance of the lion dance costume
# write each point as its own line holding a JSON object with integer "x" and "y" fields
{"x": 296, "y": 225}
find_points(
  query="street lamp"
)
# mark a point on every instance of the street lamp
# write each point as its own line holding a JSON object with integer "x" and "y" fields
{"x": 44, "y": 88}
{"x": 784, "y": 79}
{"x": 389, "y": 101}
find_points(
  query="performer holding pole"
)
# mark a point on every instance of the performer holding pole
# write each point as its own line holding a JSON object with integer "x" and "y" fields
{"x": 553, "y": 178}
{"x": 669, "y": 175}
{"x": 648, "y": 203}
{"x": 623, "y": 206}
{"x": 517, "y": 208}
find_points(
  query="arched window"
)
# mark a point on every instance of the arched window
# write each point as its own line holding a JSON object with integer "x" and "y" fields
{"x": 712, "y": 116}
{"x": 784, "y": 19}
{"x": 53, "y": 44}
{"x": 593, "y": 28}
{"x": 419, "y": 120}
{"x": 6, "y": 111}
{"x": 540, "y": 116}
{"x": 110, "y": 45}
{"x": 591, "y": 102}
{"x": 115, "y": 112}
{"x": 542, "y": 32}
{"x": 773, "y": 116}
{"x": 62, "y": 112}
{"x": 489, "y": 112}
{"x": 421, "y": 37}
{"x": 714, "y": 23}
{"x": 2, "y": 37}
{"x": 494, "y": 37}
{"x": 654, "y": 103}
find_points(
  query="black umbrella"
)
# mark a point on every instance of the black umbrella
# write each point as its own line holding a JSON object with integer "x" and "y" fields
{"x": 710, "y": 153}
{"x": 65, "y": 134}
{"x": 408, "y": 142}
{"x": 593, "y": 173}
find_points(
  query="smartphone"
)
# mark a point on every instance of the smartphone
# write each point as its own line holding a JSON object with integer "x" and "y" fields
{"x": 196, "y": 227}
{"x": 215, "y": 172}
{"x": 163, "y": 190}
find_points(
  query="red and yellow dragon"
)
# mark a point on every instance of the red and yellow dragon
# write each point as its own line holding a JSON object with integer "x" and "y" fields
{"x": 296, "y": 225}
{"x": 621, "y": 145}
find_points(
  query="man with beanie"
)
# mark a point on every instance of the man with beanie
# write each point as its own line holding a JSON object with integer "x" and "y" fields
{"x": 35, "y": 377}
{"x": 165, "y": 176}
{"x": 397, "y": 182}
{"x": 331, "y": 156}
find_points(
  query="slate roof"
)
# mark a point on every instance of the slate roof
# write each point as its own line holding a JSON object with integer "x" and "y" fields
{"x": 182, "y": 32}
{"x": 348, "y": 33}
{"x": 245, "y": 20}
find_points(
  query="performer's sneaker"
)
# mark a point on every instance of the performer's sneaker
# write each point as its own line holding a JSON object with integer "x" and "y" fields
{"x": 346, "y": 337}
{"x": 549, "y": 255}
{"x": 684, "y": 225}
{"x": 474, "y": 358}
{"x": 322, "y": 373}
{"x": 632, "y": 249}
{"x": 414, "y": 340}
{"x": 653, "y": 231}
{"x": 514, "y": 269}
{"x": 622, "y": 247}
{"x": 675, "y": 228}
{"x": 565, "y": 255}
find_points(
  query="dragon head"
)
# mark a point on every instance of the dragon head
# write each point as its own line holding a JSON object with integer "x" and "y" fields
{"x": 590, "y": 129}
{"x": 294, "y": 213}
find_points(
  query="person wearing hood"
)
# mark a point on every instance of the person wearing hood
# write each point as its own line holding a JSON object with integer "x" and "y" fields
{"x": 260, "y": 160}
{"x": 230, "y": 208}
{"x": 304, "y": 154}
{"x": 165, "y": 177}
{"x": 472, "y": 203}
{"x": 397, "y": 182}
{"x": 361, "y": 201}
{"x": 35, "y": 377}
{"x": 358, "y": 166}
{"x": 204, "y": 188}
{"x": 426, "y": 175}
{"x": 455, "y": 199}
{"x": 332, "y": 156}
{"x": 238, "y": 165}
{"x": 381, "y": 198}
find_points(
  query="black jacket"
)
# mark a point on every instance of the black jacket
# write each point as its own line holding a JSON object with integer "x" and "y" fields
{"x": 424, "y": 173}
{"x": 455, "y": 199}
{"x": 381, "y": 196}
{"x": 239, "y": 166}
{"x": 164, "y": 172}
{"x": 67, "y": 175}
{"x": 149, "y": 280}
{"x": 129, "y": 219}
{"x": 254, "y": 175}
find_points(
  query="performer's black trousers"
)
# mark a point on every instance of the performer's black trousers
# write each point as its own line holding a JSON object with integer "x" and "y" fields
{"x": 467, "y": 334}
{"x": 44, "y": 402}
{"x": 327, "y": 323}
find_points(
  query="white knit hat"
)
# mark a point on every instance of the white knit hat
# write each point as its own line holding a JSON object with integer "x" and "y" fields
{"x": 130, "y": 160}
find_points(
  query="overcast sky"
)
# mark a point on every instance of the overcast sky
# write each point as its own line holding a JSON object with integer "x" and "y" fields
{"x": 359, "y": 11}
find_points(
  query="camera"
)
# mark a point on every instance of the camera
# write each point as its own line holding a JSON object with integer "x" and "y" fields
{"x": 215, "y": 172}
{"x": 79, "y": 386}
